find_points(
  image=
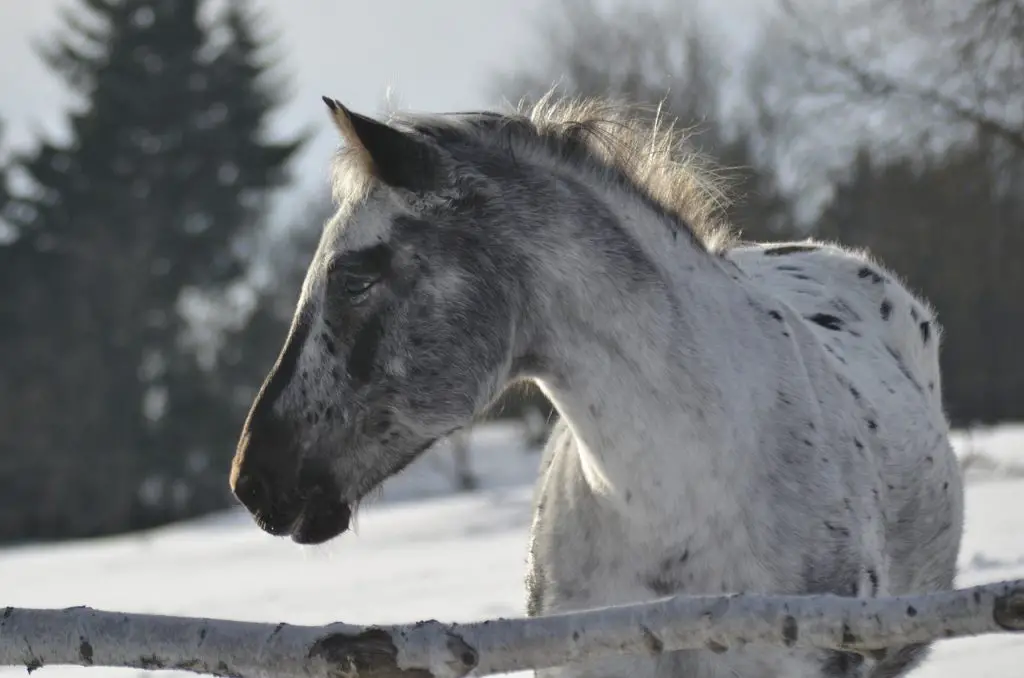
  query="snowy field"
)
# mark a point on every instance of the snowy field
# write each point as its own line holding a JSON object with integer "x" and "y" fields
{"x": 423, "y": 552}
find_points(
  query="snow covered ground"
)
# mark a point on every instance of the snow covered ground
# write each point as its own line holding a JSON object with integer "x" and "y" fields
{"x": 423, "y": 552}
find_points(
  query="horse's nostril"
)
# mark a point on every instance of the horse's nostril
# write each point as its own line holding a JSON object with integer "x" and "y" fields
{"x": 253, "y": 491}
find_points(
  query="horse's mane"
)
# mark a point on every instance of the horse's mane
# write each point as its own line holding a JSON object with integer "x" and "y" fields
{"x": 639, "y": 148}
{"x": 632, "y": 146}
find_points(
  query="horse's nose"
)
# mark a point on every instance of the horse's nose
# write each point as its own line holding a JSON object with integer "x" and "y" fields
{"x": 252, "y": 488}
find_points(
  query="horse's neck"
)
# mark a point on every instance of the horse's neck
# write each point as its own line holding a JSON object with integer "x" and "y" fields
{"x": 648, "y": 377}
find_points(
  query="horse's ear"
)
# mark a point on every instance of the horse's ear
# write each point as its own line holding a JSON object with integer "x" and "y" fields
{"x": 391, "y": 155}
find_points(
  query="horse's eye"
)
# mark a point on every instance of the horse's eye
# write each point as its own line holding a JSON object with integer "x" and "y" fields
{"x": 353, "y": 274}
{"x": 356, "y": 285}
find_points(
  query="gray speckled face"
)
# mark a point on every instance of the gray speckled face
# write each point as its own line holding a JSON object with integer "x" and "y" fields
{"x": 403, "y": 331}
{"x": 453, "y": 237}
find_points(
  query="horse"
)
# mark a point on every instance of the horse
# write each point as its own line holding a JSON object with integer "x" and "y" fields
{"x": 733, "y": 416}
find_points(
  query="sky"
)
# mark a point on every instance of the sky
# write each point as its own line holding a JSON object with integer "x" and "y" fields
{"x": 432, "y": 56}
{"x": 440, "y": 55}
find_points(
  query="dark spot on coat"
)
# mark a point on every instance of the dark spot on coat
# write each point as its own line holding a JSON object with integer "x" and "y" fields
{"x": 826, "y": 320}
{"x": 836, "y": 529}
{"x": 911, "y": 611}
{"x": 849, "y": 638}
{"x": 855, "y": 393}
{"x": 866, "y": 272}
{"x": 886, "y": 309}
{"x": 840, "y": 664}
{"x": 151, "y": 661}
{"x": 85, "y": 651}
{"x": 661, "y": 585}
{"x": 780, "y": 250}
{"x": 775, "y": 314}
{"x": 790, "y": 630}
{"x": 653, "y": 642}
{"x": 926, "y": 330}
{"x": 666, "y": 580}
{"x": 872, "y": 424}
{"x": 873, "y": 578}
{"x": 328, "y": 343}
{"x": 716, "y": 647}
{"x": 364, "y": 349}
{"x": 878, "y": 655}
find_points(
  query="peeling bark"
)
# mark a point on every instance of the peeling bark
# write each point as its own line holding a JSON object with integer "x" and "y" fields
{"x": 86, "y": 637}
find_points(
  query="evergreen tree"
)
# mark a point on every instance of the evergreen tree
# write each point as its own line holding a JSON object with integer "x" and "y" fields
{"x": 148, "y": 205}
{"x": 30, "y": 332}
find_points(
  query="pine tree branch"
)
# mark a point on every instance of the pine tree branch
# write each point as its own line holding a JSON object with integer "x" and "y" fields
{"x": 87, "y": 637}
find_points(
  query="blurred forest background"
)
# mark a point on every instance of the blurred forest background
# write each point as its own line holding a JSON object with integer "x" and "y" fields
{"x": 143, "y": 295}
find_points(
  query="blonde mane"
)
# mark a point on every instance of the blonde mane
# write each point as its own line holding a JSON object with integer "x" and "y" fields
{"x": 644, "y": 148}
{"x": 633, "y": 146}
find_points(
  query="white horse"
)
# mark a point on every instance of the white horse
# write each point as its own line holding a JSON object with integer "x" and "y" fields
{"x": 735, "y": 418}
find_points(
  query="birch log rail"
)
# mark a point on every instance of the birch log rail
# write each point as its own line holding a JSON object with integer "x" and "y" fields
{"x": 86, "y": 637}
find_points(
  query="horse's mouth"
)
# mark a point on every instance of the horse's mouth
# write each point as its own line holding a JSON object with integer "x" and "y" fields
{"x": 321, "y": 525}
{"x": 319, "y": 514}
{"x": 318, "y": 520}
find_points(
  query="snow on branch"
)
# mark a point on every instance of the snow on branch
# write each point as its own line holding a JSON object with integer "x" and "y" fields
{"x": 86, "y": 637}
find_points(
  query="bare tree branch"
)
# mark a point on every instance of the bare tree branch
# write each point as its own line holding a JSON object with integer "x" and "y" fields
{"x": 86, "y": 637}
{"x": 874, "y": 82}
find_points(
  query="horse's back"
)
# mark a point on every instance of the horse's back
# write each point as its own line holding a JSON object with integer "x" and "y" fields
{"x": 882, "y": 340}
{"x": 854, "y": 305}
